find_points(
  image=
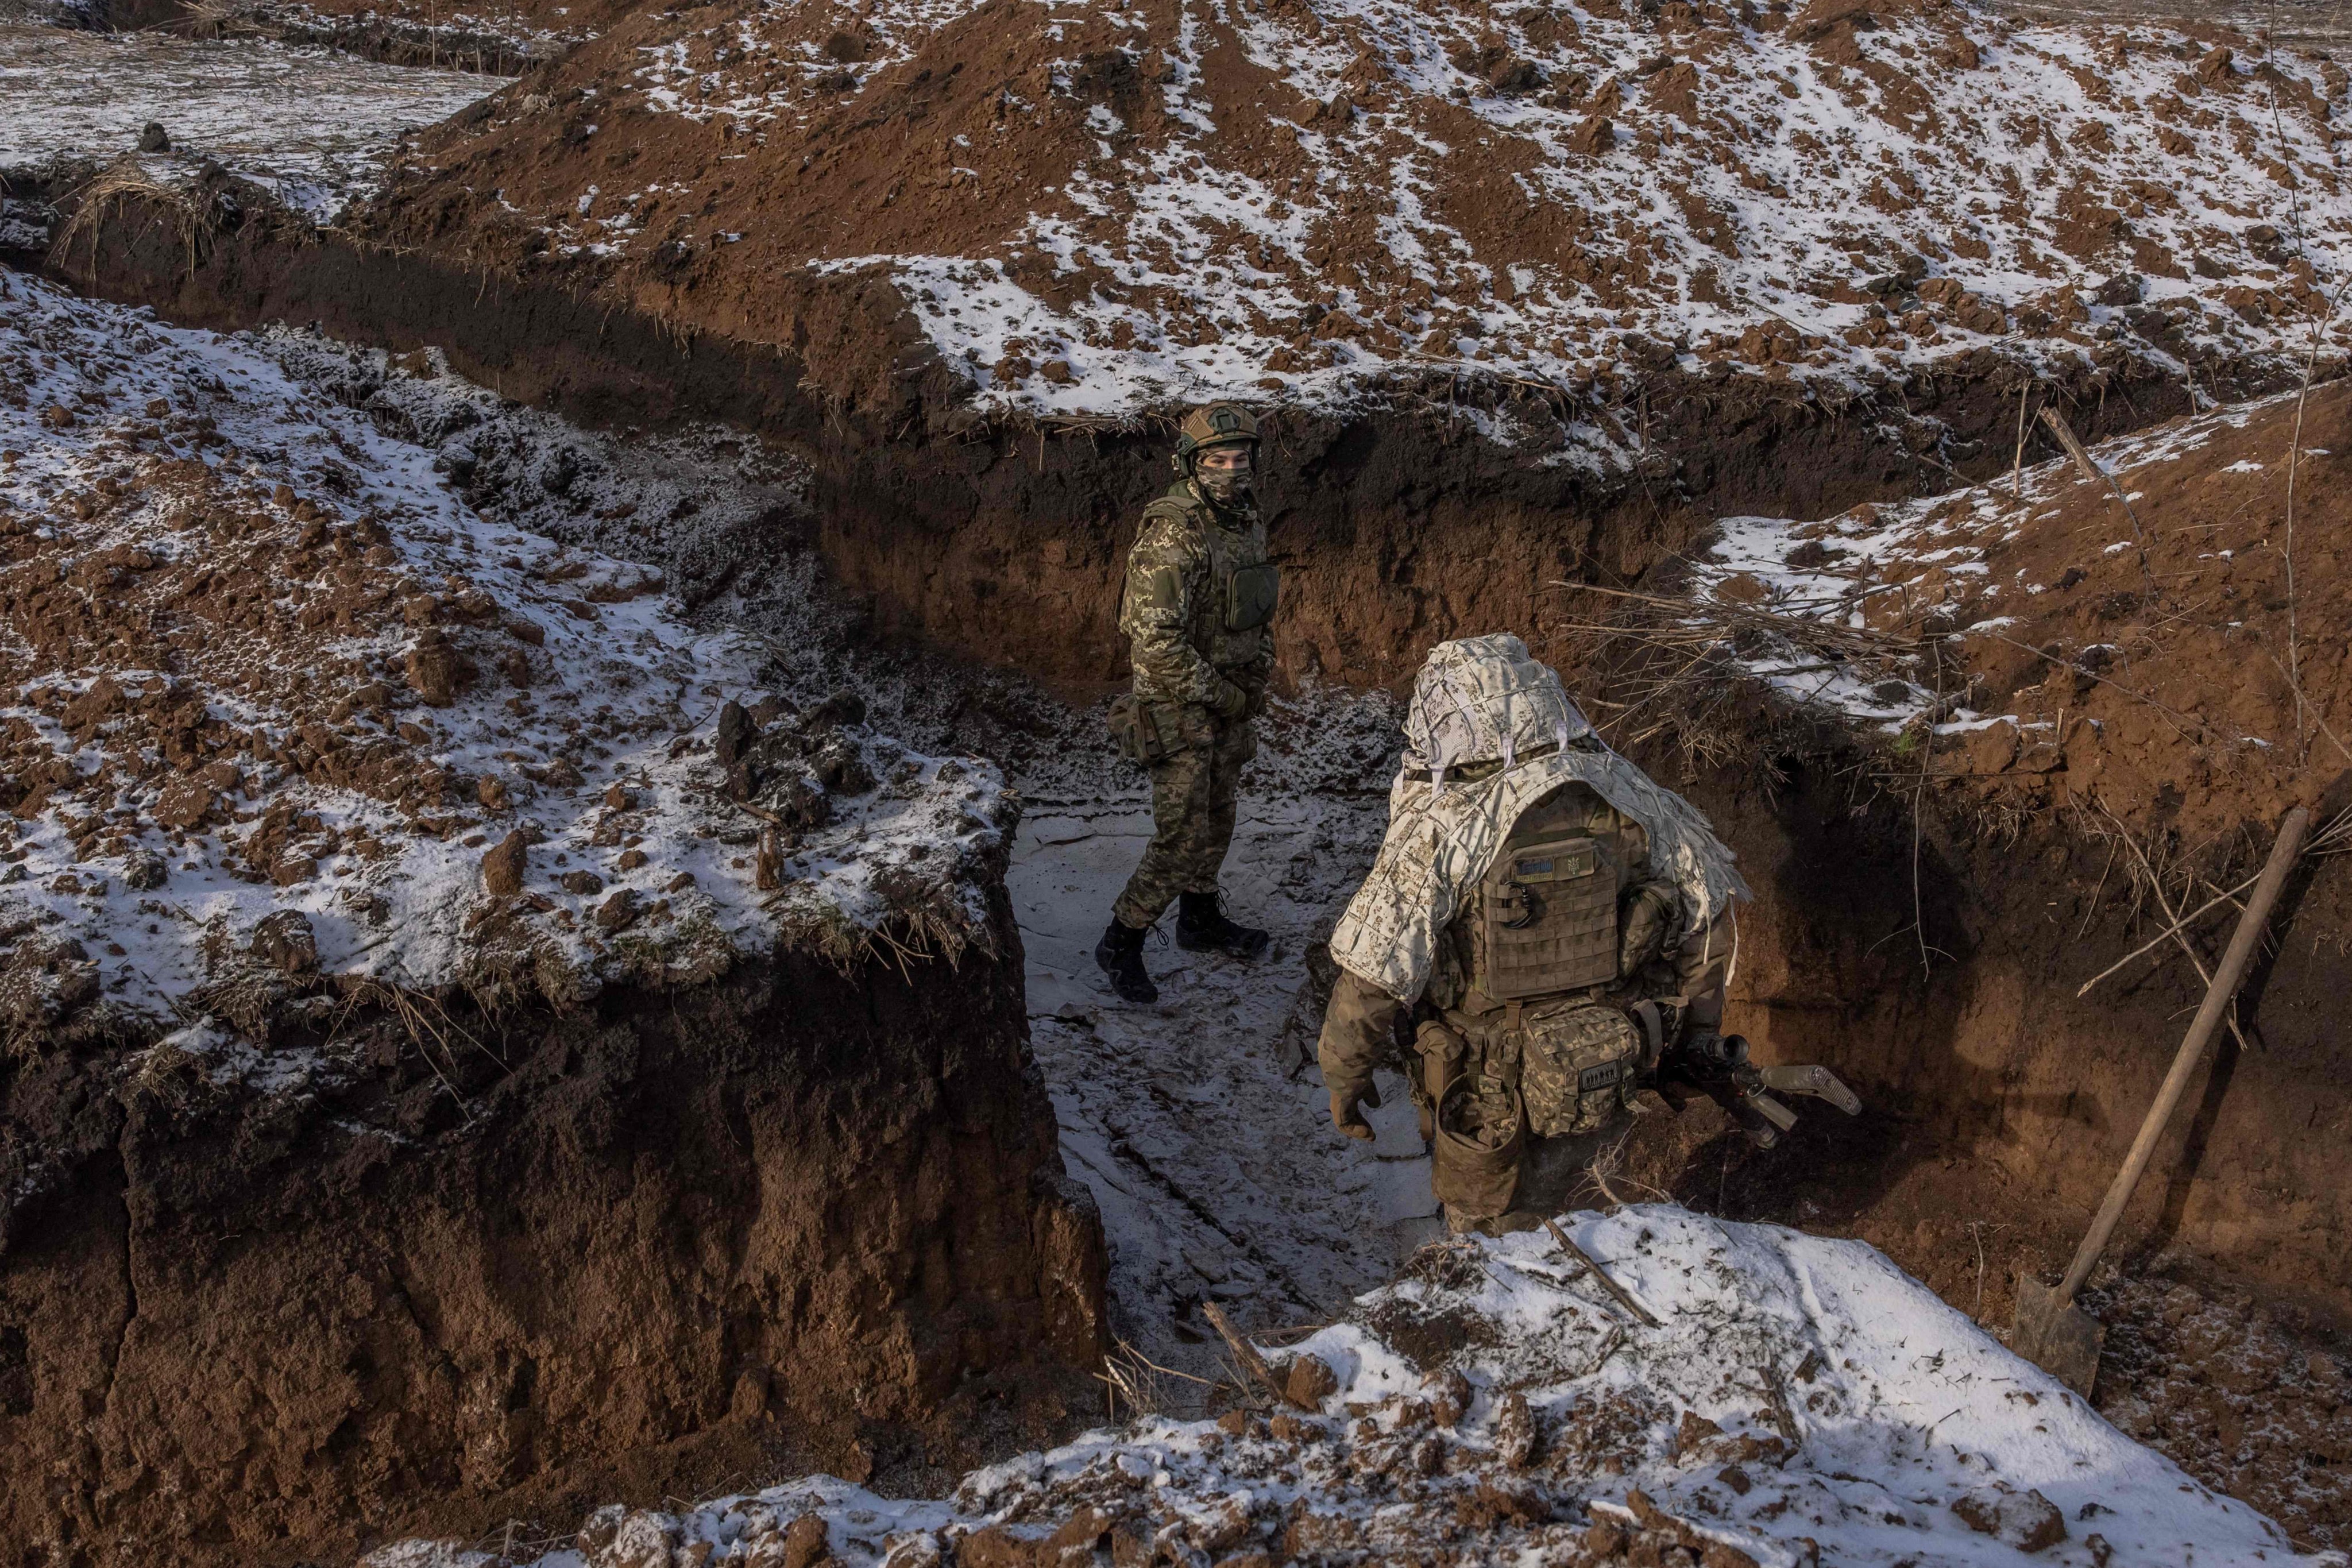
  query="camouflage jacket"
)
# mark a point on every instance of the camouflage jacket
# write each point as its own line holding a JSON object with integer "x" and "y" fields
{"x": 1199, "y": 599}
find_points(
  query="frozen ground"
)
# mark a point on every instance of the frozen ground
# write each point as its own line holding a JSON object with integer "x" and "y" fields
{"x": 1296, "y": 199}
{"x": 1209, "y": 1147}
{"x": 298, "y": 677}
{"x": 2322, "y": 21}
{"x": 1795, "y": 1400}
{"x": 313, "y": 124}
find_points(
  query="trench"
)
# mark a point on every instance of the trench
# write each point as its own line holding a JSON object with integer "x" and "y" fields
{"x": 1935, "y": 979}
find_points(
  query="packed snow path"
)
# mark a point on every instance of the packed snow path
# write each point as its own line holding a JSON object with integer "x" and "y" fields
{"x": 1207, "y": 1144}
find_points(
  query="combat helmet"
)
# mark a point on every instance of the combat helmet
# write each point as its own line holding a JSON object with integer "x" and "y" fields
{"x": 1211, "y": 425}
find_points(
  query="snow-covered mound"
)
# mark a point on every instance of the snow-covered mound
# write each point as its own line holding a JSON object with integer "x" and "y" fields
{"x": 1114, "y": 205}
{"x": 310, "y": 125}
{"x": 1800, "y": 1401}
{"x": 276, "y": 703}
{"x": 2165, "y": 638}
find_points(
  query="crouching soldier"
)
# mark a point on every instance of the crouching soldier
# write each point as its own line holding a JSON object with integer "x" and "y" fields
{"x": 1199, "y": 600}
{"x": 1555, "y": 928}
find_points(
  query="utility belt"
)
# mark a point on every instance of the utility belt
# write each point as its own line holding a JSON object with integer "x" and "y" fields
{"x": 1552, "y": 1066}
{"x": 1572, "y": 1061}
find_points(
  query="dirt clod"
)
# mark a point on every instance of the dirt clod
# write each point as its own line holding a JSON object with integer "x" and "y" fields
{"x": 1309, "y": 1382}
{"x": 502, "y": 866}
{"x": 2027, "y": 1519}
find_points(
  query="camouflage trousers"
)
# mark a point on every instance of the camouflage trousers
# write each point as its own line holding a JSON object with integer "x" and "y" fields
{"x": 1193, "y": 823}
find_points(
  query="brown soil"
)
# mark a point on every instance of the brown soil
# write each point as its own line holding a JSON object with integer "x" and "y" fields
{"x": 2177, "y": 683}
{"x": 795, "y": 1217}
{"x": 1998, "y": 1107}
{"x": 1935, "y": 967}
{"x": 828, "y": 133}
{"x": 379, "y": 1250}
{"x": 1396, "y": 527}
{"x": 222, "y": 626}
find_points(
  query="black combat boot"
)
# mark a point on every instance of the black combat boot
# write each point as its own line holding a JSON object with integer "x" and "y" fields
{"x": 1120, "y": 954}
{"x": 1201, "y": 927}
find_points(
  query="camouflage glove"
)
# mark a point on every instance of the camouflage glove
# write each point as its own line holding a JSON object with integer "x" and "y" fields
{"x": 1232, "y": 702}
{"x": 1345, "y": 1114}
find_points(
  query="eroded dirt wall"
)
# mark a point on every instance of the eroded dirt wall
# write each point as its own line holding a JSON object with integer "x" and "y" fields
{"x": 2001, "y": 1104}
{"x": 1396, "y": 527}
{"x": 1399, "y": 529}
{"x": 790, "y": 1216}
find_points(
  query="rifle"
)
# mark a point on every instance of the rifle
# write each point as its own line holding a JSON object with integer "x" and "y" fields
{"x": 1717, "y": 1067}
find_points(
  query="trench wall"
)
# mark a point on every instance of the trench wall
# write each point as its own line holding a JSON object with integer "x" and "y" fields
{"x": 1997, "y": 1098}
{"x": 1400, "y": 526}
{"x": 1397, "y": 525}
{"x": 793, "y": 1216}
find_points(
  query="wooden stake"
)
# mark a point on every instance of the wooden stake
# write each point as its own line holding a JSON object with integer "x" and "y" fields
{"x": 2017, "y": 464}
{"x": 2093, "y": 472}
{"x": 1602, "y": 1275}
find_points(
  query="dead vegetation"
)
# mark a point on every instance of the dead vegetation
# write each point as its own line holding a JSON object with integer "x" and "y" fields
{"x": 130, "y": 188}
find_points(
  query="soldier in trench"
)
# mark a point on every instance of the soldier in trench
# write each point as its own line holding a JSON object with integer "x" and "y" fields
{"x": 1557, "y": 930}
{"x": 1196, "y": 613}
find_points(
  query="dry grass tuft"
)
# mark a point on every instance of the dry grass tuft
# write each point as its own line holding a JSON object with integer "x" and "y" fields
{"x": 128, "y": 185}
{"x": 1671, "y": 668}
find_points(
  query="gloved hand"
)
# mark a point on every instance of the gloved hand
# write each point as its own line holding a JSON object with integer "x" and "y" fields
{"x": 1345, "y": 1117}
{"x": 1232, "y": 702}
{"x": 1256, "y": 702}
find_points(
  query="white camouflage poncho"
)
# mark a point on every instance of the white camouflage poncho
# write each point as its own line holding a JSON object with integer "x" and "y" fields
{"x": 1482, "y": 700}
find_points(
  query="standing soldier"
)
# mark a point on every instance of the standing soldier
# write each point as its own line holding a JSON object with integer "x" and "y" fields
{"x": 1199, "y": 595}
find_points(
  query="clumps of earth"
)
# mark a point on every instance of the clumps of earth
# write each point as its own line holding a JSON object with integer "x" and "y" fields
{"x": 2152, "y": 642}
{"x": 1796, "y": 1401}
{"x": 789, "y": 767}
{"x": 286, "y": 715}
{"x": 1116, "y": 206}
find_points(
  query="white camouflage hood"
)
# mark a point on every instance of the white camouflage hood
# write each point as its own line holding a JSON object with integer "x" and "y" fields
{"x": 1485, "y": 700}
{"x": 1482, "y": 700}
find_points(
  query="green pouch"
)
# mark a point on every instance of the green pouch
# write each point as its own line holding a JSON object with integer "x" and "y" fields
{"x": 1250, "y": 596}
{"x": 1134, "y": 731}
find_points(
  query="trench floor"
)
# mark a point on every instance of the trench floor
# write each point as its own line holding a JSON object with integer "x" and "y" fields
{"x": 1201, "y": 1124}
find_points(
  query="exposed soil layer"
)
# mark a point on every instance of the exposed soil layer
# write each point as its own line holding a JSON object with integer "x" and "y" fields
{"x": 1995, "y": 1099}
{"x": 1114, "y": 208}
{"x": 2162, "y": 649}
{"x": 481, "y": 1270}
{"x": 1998, "y": 1107}
{"x": 374, "y": 1156}
{"x": 1397, "y": 526}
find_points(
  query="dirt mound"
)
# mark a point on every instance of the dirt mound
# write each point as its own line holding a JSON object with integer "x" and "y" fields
{"x": 2155, "y": 644}
{"x": 1789, "y": 1401}
{"x": 453, "y": 756}
{"x": 429, "y": 1002}
{"x": 1125, "y": 205}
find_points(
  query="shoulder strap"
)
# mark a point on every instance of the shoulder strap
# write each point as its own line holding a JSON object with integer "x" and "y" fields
{"x": 1171, "y": 508}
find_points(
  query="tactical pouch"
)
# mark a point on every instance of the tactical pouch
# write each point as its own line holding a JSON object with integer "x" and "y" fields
{"x": 1150, "y": 733}
{"x": 1442, "y": 1051}
{"x": 1645, "y": 916}
{"x": 1473, "y": 1168}
{"x": 1547, "y": 919}
{"x": 1250, "y": 596}
{"x": 1134, "y": 731}
{"x": 1578, "y": 1065}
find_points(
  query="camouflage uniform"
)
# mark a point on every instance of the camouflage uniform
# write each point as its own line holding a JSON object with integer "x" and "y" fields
{"x": 1460, "y": 1031}
{"x": 1199, "y": 595}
